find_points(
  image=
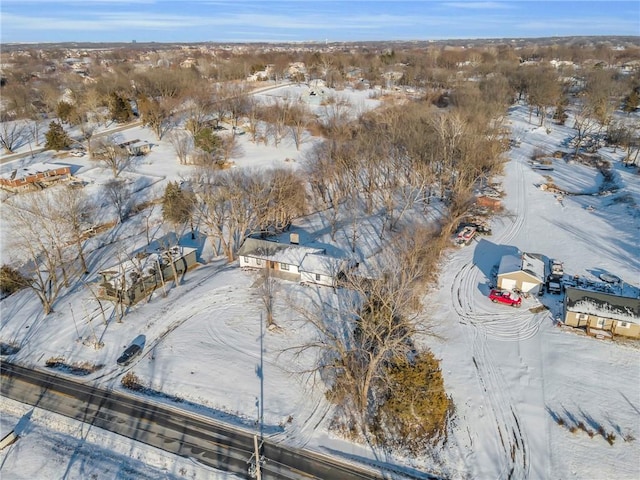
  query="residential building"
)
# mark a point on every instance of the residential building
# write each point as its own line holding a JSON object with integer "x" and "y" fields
{"x": 602, "y": 314}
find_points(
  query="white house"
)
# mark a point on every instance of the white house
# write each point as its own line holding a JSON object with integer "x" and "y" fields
{"x": 290, "y": 261}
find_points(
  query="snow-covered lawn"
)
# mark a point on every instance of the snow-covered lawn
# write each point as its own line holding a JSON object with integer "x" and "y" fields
{"x": 512, "y": 373}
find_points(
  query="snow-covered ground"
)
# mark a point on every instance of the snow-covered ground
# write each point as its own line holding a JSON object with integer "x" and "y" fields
{"x": 511, "y": 373}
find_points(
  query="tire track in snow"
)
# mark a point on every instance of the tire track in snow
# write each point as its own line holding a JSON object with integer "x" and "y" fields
{"x": 521, "y": 206}
{"x": 513, "y": 441}
{"x": 504, "y": 325}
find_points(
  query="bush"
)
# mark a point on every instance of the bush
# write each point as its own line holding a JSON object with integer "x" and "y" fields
{"x": 11, "y": 280}
{"x": 416, "y": 409}
{"x": 611, "y": 438}
{"x": 132, "y": 382}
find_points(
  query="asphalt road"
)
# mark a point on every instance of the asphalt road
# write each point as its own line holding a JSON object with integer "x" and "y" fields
{"x": 215, "y": 444}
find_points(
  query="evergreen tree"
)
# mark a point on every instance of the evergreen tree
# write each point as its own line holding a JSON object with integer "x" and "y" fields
{"x": 119, "y": 108}
{"x": 208, "y": 141}
{"x": 416, "y": 410}
{"x": 177, "y": 204}
{"x": 57, "y": 138}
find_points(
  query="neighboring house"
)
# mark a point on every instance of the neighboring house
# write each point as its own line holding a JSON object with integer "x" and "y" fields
{"x": 525, "y": 272}
{"x": 136, "y": 147}
{"x": 290, "y": 261}
{"x": 36, "y": 175}
{"x": 602, "y": 314}
{"x": 146, "y": 270}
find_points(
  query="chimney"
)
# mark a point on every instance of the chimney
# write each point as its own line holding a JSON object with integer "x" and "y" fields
{"x": 294, "y": 238}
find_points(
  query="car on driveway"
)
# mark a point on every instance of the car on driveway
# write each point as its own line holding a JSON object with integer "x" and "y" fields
{"x": 129, "y": 354}
{"x": 499, "y": 296}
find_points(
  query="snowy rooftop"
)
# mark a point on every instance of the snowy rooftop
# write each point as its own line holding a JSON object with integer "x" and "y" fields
{"x": 145, "y": 262}
{"x": 278, "y": 252}
{"x": 534, "y": 264}
{"x": 527, "y": 262}
{"x": 322, "y": 264}
{"x": 30, "y": 170}
{"x": 625, "y": 309}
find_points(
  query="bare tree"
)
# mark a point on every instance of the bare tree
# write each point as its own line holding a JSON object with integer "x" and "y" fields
{"x": 337, "y": 114}
{"x": 75, "y": 211}
{"x": 119, "y": 194}
{"x": 361, "y": 328}
{"x": 298, "y": 118}
{"x": 182, "y": 144}
{"x": 157, "y": 114}
{"x": 12, "y": 135}
{"x": 42, "y": 242}
{"x": 112, "y": 155}
{"x": 544, "y": 91}
{"x": 584, "y": 124}
{"x": 230, "y": 148}
{"x": 225, "y": 210}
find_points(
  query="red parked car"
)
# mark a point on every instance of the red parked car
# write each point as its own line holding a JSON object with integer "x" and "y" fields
{"x": 498, "y": 296}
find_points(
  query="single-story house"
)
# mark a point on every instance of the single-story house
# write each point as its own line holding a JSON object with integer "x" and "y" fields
{"x": 602, "y": 314}
{"x": 146, "y": 270}
{"x": 290, "y": 261}
{"x": 136, "y": 147}
{"x": 35, "y": 174}
{"x": 525, "y": 272}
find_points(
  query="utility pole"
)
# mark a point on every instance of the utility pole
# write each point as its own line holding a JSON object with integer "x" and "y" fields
{"x": 74, "y": 321}
{"x": 256, "y": 460}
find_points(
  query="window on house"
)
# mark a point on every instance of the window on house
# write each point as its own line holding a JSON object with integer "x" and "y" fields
{"x": 317, "y": 277}
{"x": 284, "y": 266}
{"x": 246, "y": 259}
{"x": 600, "y": 322}
{"x": 624, "y": 325}
{"x": 258, "y": 261}
{"x": 583, "y": 317}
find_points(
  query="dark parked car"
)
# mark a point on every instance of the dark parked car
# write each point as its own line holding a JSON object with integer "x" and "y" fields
{"x": 129, "y": 354}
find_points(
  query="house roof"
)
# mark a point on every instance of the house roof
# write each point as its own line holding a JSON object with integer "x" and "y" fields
{"x": 529, "y": 263}
{"x": 626, "y": 309}
{"x": 533, "y": 264}
{"x": 509, "y": 264}
{"x": 32, "y": 169}
{"x": 143, "y": 263}
{"x": 322, "y": 264}
{"x": 277, "y": 252}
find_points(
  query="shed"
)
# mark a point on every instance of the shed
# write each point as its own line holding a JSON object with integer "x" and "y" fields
{"x": 525, "y": 272}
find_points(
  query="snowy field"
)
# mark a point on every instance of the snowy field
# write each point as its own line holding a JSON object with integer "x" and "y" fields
{"x": 512, "y": 374}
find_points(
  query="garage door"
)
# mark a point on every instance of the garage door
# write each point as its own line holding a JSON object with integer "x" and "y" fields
{"x": 507, "y": 283}
{"x": 528, "y": 286}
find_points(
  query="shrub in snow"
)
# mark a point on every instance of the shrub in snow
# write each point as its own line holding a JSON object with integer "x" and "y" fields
{"x": 132, "y": 382}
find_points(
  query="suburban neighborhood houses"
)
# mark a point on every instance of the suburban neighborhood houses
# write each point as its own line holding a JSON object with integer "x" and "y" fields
{"x": 388, "y": 259}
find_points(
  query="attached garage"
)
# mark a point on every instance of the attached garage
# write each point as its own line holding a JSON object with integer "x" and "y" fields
{"x": 524, "y": 272}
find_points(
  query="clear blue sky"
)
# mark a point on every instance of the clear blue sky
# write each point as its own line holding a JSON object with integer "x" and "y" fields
{"x": 302, "y": 20}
